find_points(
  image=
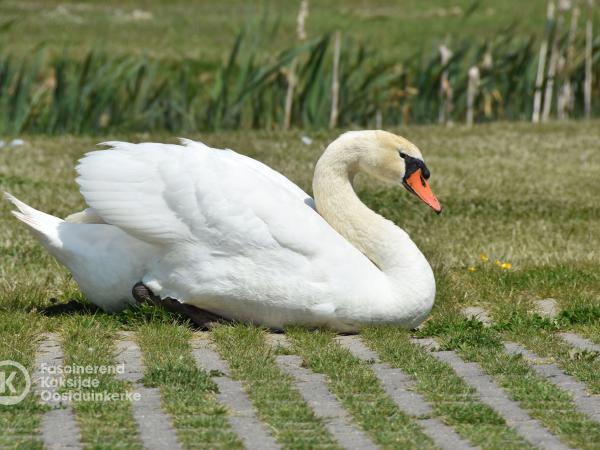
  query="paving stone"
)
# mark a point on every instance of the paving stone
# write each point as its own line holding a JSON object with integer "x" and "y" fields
{"x": 401, "y": 389}
{"x": 155, "y": 427}
{"x": 278, "y": 340}
{"x": 59, "y": 428}
{"x": 547, "y": 308}
{"x": 479, "y": 313}
{"x": 580, "y": 342}
{"x": 313, "y": 388}
{"x": 242, "y": 415}
{"x": 584, "y": 401}
{"x": 495, "y": 397}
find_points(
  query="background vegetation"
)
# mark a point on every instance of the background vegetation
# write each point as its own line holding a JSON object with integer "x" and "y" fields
{"x": 95, "y": 67}
{"x": 204, "y": 30}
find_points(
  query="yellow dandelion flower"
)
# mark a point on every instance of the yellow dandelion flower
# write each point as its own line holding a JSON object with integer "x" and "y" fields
{"x": 506, "y": 266}
{"x": 498, "y": 263}
{"x": 472, "y": 269}
{"x": 484, "y": 258}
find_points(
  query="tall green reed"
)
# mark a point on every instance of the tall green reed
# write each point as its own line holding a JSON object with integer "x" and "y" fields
{"x": 99, "y": 93}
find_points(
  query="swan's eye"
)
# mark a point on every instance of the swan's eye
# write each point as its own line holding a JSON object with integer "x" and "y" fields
{"x": 402, "y": 155}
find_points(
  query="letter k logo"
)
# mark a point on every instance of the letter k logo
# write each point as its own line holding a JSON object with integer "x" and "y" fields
{"x": 7, "y": 383}
{"x": 8, "y": 378}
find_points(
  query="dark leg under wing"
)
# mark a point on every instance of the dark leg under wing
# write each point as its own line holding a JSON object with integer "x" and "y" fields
{"x": 199, "y": 317}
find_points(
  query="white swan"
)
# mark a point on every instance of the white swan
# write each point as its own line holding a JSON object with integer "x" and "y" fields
{"x": 225, "y": 233}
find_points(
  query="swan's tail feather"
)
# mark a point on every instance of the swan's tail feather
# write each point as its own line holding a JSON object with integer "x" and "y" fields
{"x": 42, "y": 225}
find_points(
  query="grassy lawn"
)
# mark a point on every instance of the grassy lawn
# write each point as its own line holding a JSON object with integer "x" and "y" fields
{"x": 205, "y": 29}
{"x": 518, "y": 194}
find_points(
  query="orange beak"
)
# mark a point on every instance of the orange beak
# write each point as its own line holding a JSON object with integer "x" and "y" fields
{"x": 419, "y": 186}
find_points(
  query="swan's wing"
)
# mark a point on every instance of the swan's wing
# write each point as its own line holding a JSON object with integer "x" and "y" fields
{"x": 163, "y": 193}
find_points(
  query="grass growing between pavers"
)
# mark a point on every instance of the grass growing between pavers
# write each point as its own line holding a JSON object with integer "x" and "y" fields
{"x": 543, "y": 401}
{"x": 505, "y": 189}
{"x": 188, "y": 393}
{"x": 88, "y": 341}
{"x": 271, "y": 391}
{"x": 582, "y": 364}
{"x": 19, "y": 334}
{"x": 357, "y": 387}
{"x": 510, "y": 298}
{"x": 452, "y": 399}
{"x": 584, "y": 320}
{"x": 591, "y": 332}
{"x": 583, "y": 317}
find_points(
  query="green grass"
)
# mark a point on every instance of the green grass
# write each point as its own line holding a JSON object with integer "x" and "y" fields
{"x": 352, "y": 381}
{"x": 188, "y": 393}
{"x": 205, "y": 30}
{"x": 521, "y": 194}
{"x": 278, "y": 403}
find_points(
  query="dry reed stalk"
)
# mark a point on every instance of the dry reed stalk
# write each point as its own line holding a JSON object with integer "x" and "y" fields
{"x": 406, "y": 110}
{"x": 539, "y": 81}
{"x": 488, "y": 61}
{"x": 554, "y": 58}
{"x": 587, "y": 86}
{"x": 565, "y": 101}
{"x": 473, "y": 87}
{"x": 378, "y": 120}
{"x": 335, "y": 81}
{"x": 564, "y": 93}
{"x": 301, "y": 20}
{"x": 291, "y": 76}
{"x": 445, "y": 88}
{"x": 289, "y": 95}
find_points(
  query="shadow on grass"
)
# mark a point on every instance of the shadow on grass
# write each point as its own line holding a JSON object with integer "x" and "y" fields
{"x": 71, "y": 307}
{"x": 133, "y": 315}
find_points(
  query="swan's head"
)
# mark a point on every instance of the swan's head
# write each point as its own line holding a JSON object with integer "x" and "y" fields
{"x": 393, "y": 159}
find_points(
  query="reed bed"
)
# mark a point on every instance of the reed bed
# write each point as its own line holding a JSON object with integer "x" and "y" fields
{"x": 99, "y": 93}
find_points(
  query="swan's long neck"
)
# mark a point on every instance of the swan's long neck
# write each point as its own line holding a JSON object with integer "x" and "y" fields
{"x": 386, "y": 245}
